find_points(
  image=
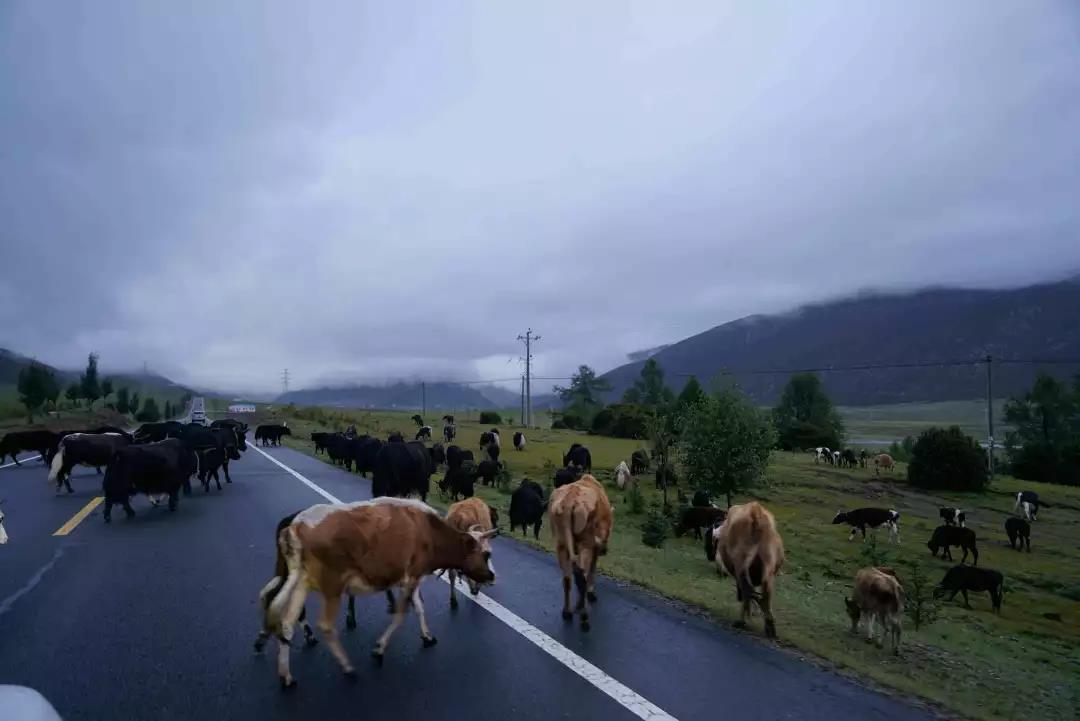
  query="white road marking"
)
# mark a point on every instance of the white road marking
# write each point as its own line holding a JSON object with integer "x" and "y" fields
{"x": 625, "y": 696}
{"x": 21, "y": 460}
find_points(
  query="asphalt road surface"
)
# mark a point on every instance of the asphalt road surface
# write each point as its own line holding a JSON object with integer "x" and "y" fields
{"x": 154, "y": 618}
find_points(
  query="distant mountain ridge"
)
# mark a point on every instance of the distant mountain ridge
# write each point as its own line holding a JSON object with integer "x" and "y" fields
{"x": 142, "y": 382}
{"x": 442, "y": 395}
{"x": 931, "y": 326}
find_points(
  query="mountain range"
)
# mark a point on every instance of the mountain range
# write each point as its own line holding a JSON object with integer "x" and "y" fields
{"x": 917, "y": 335}
{"x": 406, "y": 394}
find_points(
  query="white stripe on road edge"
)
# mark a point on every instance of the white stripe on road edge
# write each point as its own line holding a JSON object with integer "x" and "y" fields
{"x": 24, "y": 460}
{"x": 625, "y": 696}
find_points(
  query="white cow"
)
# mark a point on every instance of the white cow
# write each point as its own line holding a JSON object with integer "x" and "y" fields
{"x": 622, "y": 475}
{"x": 3, "y": 533}
{"x": 821, "y": 453}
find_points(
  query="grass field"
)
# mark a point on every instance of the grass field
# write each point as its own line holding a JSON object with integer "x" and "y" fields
{"x": 1024, "y": 662}
{"x": 893, "y": 422}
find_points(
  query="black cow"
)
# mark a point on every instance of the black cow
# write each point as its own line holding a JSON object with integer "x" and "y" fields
{"x": 493, "y": 451}
{"x": 154, "y": 432}
{"x": 456, "y": 456}
{"x": 519, "y": 441}
{"x": 946, "y": 536}
{"x": 848, "y": 458}
{"x": 111, "y": 429}
{"x": 448, "y": 418}
{"x": 395, "y": 437}
{"x": 459, "y": 481}
{"x": 365, "y": 451}
{"x": 424, "y": 432}
{"x": 527, "y": 508}
{"x": 578, "y": 456}
{"x": 320, "y": 438}
{"x": 639, "y": 461}
{"x": 665, "y": 476}
{"x": 402, "y": 469}
{"x": 953, "y": 516}
{"x": 961, "y": 579}
{"x": 210, "y": 460}
{"x": 860, "y": 518}
{"x": 696, "y": 518}
{"x": 44, "y": 442}
{"x": 438, "y": 455}
{"x": 418, "y": 420}
{"x": 200, "y": 438}
{"x": 1018, "y": 529}
{"x": 566, "y": 475}
{"x": 701, "y": 499}
{"x": 270, "y": 434}
{"x": 336, "y": 447}
{"x": 487, "y": 472}
{"x": 161, "y": 468}
{"x": 449, "y": 432}
{"x": 84, "y": 449}
{"x": 863, "y": 458}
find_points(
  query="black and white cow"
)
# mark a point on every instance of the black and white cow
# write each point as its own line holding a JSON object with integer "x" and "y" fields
{"x": 861, "y": 518}
{"x": 3, "y": 533}
{"x": 449, "y": 432}
{"x": 1018, "y": 529}
{"x": 418, "y": 420}
{"x": 423, "y": 433}
{"x": 946, "y": 536}
{"x": 84, "y": 449}
{"x": 1029, "y": 502}
{"x": 822, "y": 455}
{"x": 519, "y": 441}
{"x": 953, "y": 516}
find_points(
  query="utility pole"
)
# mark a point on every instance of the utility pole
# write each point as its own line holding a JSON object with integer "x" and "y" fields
{"x": 285, "y": 381}
{"x": 527, "y": 339}
{"x": 423, "y": 398}
{"x": 523, "y": 399}
{"x": 990, "y": 414}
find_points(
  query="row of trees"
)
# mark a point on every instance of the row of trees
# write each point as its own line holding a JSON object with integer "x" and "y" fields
{"x": 39, "y": 388}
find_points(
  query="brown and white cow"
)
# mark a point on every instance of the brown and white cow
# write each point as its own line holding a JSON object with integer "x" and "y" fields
{"x": 581, "y": 520}
{"x": 367, "y": 547}
{"x": 471, "y": 514}
{"x": 749, "y": 548}
{"x": 878, "y": 595}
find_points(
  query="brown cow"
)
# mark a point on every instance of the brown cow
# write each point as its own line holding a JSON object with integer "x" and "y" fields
{"x": 878, "y": 595}
{"x": 581, "y": 519}
{"x": 883, "y": 460}
{"x": 750, "y": 549}
{"x": 469, "y": 515}
{"x": 367, "y": 547}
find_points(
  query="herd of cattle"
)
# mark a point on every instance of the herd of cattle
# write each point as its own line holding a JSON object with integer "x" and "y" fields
{"x": 392, "y": 542}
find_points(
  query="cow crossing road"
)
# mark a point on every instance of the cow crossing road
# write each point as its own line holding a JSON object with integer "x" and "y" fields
{"x": 153, "y": 617}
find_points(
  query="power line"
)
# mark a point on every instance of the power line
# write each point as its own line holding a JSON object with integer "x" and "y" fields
{"x": 527, "y": 339}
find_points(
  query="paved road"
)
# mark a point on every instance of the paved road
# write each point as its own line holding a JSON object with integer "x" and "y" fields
{"x": 154, "y": 618}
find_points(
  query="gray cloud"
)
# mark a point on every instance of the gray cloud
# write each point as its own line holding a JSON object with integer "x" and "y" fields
{"x": 378, "y": 190}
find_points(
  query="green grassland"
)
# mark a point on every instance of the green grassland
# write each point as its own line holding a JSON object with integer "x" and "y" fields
{"x": 893, "y": 422}
{"x": 1023, "y": 662}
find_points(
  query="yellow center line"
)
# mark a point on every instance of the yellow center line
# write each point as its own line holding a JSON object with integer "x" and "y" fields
{"x": 78, "y": 517}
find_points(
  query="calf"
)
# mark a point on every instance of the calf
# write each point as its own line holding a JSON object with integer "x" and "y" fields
{"x": 860, "y": 518}
{"x": 946, "y": 536}
{"x": 469, "y": 515}
{"x": 1018, "y": 529}
{"x": 878, "y": 595}
{"x": 581, "y": 521}
{"x": 622, "y": 476}
{"x": 639, "y": 461}
{"x": 961, "y": 579}
{"x": 749, "y": 548}
{"x": 1029, "y": 502}
{"x": 527, "y": 507}
{"x": 695, "y": 518}
{"x": 953, "y": 516}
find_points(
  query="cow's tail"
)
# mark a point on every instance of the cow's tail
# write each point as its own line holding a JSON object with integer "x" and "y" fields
{"x": 289, "y": 547}
{"x": 57, "y": 462}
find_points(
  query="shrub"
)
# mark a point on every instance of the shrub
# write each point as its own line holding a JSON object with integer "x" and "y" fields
{"x": 490, "y": 417}
{"x": 572, "y": 421}
{"x": 947, "y": 459}
{"x": 559, "y": 424}
{"x": 655, "y": 528}
{"x": 622, "y": 420}
{"x": 902, "y": 451}
{"x": 635, "y": 500}
{"x": 919, "y": 602}
{"x": 872, "y": 554}
{"x": 149, "y": 413}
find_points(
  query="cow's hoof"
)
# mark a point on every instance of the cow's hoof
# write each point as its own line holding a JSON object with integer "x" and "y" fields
{"x": 350, "y": 623}
{"x": 288, "y": 683}
{"x": 567, "y": 615}
{"x": 585, "y": 624}
{"x": 430, "y": 641}
{"x": 591, "y": 595}
{"x": 311, "y": 641}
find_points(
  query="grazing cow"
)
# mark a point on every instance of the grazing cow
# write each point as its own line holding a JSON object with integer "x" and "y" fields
{"x": 883, "y": 460}
{"x": 154, "y": 432}
{"x": 696, "y": 517}
{"x": 270, "y": 434}
{"x": 320, "y": 439}
{"x": 423, "y": 433}
{"x": 564, "y": 476}
{"x": 1018, "y": 529}
{"x": 946, "y": 536}
{"x": 581, "y": 520}
{"x": 367, "y": 547}
{"x": 519, "y": 441}
{"x": 438, "y": 455}
{"x": 492, "y": 452}
{"x": 83, "y": 449}
{"x": 418, "y": 420}
{"x": 459, "y": 481}
{"x": 578, "y": 456}
{"x": 152, "y": 468}
{"x": 953, "y": 516}
{"x": 701, "y": 499}
{"x": 639, "y": 461}
{"x": 1029, "y": 502}
{"x": 469, "y": 515}
{"x": 749, "y": 548}
{"x": 860, "y": 518}
{"x": 15, "y": 442}
{"x": 961, "y": 579}
{"x": 402, "y": 469}
{"x": 665, "y": 476}
{"x": 449, "y": 432}
{"x": 487, "y": 472}
{"x": 622, "y": 476}
{"x": 527, "y": 507}
{"x": 3, "y": 533}
{"x": 848, "y": 458}
{"x": 456, "y": 456}
{"x": 822, "y": 454}
{"x": 878, "y": 595}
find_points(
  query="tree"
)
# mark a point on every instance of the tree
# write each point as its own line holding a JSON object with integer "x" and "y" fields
{"x": 582, "y": 396}
{"x": 947, "y": 459}
{"x": 88, "y": 381}
{"x": 106, "y": 387}
{"x": 123, "y": 401}
{"x": 622, "y": 420}
{"x": 805, "y": 417}
{"x": 133, "y": 404}
{"x": 649, "y": 389}
{"x": 168, "y": 412}
{"x": 1045, "y": 445}
{"x": 149, "y": 412}
{"x": 35, "y": 385}
{"x": 690, "y": 394}
{"x": 725, "y": 444}
{"x": 919, "y": 602}
{"x": 73, "y": 393}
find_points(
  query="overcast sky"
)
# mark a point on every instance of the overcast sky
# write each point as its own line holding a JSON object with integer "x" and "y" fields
{"x": 388, "y": 189}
